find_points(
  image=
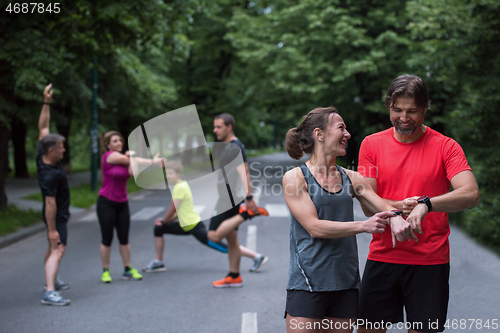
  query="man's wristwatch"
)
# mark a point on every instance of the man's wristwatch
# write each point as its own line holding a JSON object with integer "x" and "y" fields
{"x": 397, "y": 212}
{"x": 249, "y": 197}
{"x": 425, "y": 200}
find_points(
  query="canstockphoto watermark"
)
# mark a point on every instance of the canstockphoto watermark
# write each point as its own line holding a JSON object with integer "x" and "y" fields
{"x": 277, "y": 189}
{"x": 261, "y": 170}
{"x": 266, "y": 175}
{"x": 328, "y": 324}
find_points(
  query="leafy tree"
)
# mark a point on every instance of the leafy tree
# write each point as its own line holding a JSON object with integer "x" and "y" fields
{"x": 456, "y": 43}
{"x": 311, "y": 53}
{"x": 134, "y": 40}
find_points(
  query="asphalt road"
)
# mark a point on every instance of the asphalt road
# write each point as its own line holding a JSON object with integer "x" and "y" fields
{"x": 182, "y": 299}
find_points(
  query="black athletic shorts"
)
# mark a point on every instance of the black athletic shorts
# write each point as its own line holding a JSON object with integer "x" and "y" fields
{"x": 333, "y": 304}
{"x": 62, "y": 229}
{"x": 218, "y": 219}
{"x": 174, "y": 228}
{"x": 422, "y": 289}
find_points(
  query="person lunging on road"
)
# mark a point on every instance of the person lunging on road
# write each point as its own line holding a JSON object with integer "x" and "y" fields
{"x": 180, "y": 218}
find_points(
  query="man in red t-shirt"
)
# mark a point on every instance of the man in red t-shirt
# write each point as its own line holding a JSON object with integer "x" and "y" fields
{"x": 412, "y": 167}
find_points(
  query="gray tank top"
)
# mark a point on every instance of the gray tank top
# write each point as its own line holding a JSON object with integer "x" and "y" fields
{"x": 318, "y": 264}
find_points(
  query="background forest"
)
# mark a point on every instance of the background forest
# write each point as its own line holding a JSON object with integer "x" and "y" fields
{"x": 266, "y": 62}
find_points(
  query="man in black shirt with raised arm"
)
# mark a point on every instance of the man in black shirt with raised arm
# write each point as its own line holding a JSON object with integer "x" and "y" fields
{"x": 55, "y": 191}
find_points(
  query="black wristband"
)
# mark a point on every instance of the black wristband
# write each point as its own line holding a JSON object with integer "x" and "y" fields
{"x": 46, "y": 103}
{"x": 245, "y": 215}
{"x": 249, "y": 197}
{"x": 427, "y": 201}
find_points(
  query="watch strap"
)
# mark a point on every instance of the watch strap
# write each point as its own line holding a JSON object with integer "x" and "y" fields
{"x": 427, "y": 201}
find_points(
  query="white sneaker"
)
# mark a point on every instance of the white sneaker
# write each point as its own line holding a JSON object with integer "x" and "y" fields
{"x": 53, "y": 298}
{"x": 258, "y": 263}
{"x": 154, "y": 266}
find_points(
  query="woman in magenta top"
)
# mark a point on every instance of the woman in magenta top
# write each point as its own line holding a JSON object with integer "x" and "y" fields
{"x": 112, "y": 205}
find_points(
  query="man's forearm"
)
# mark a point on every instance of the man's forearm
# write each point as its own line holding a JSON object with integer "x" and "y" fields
{"x": 249, "y": 182}
{"x": 171, "y": 213}
{"x": 169, "y": 217}
{"x": 398, "y": 204}
{"x": 44, "y": 120}
{"x": 50, "y": 216}
{"x": 455, "y": 201}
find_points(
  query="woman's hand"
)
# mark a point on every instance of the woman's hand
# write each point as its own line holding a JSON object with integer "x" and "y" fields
{"x": 409, "y": 204}
{"x": 377, "y": 223}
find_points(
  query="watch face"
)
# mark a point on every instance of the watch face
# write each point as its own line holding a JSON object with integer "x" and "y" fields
{"x": 423, "y": 198}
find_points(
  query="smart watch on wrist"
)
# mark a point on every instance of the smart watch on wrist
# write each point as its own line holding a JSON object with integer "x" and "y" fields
{"x": 425, "y": 200}
{"x": 397, "y": 212}
{"x": 249, "y": 197}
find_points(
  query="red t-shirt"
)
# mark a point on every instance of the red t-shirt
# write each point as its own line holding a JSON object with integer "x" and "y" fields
{"x": 402, "y": 170}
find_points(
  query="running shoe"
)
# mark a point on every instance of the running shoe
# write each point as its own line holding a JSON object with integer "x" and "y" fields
{"x": 258, "y": 263}
{"x": 262, "y": 211}
{"x": 106, "y": 277}
{"x": 132, "y": 274}
{"x": 154, "y": 266}
{"x": 53, "y": 298}
{"x": 59, "y": 285}
{"x": 228, "y": 282}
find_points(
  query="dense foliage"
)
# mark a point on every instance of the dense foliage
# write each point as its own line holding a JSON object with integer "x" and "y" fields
{"x": 266, "y": 62}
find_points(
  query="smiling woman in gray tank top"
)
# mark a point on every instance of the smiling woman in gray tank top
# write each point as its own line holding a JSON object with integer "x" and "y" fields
{"x": 322, "y": 290}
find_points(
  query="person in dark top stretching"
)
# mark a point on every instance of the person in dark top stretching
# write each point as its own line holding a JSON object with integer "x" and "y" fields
{"x": 55, "y": 192}
{"x": 224, "y": 131}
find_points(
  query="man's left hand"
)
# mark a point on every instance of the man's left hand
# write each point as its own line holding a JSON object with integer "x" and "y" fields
{"x": 409, "y": 204}
{"x": 47, "y": 93}
{"x": 252, "y": 205}
{"x": 415, "y": 218}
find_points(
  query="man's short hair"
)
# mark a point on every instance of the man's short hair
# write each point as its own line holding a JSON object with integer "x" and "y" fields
{"x": 174, "y": 165}
{"x": 50, "y": 141}
{"x": 408, "y": 85}
{"x": 227, "y": 119}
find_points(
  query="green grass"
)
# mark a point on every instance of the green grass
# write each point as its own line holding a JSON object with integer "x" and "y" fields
{"x": 260, "y": 152}
{"x": 13, "y": 218}
{"x": 82, "y": 196}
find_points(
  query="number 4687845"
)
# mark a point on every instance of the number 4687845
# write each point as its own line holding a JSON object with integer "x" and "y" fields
{"x": 471, "y": 324}
{"x": 33, "y": 7}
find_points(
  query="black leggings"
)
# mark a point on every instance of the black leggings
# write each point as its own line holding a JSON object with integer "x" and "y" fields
{"x": 200, "y": 232}
{"x": 112, "y": 215}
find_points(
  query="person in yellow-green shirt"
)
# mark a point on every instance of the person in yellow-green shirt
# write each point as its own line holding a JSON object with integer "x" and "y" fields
{"x": 180, "y": 219}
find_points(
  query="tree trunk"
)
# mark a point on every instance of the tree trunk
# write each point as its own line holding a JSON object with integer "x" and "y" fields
{"x": 187, "y": 155}
{"x": 19, "y": 142}
{"x": 64, "y": 128}
{"x": 4, "y": 163}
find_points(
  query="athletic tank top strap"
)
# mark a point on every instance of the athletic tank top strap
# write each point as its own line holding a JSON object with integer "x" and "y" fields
{"x": 324, "y": 264}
